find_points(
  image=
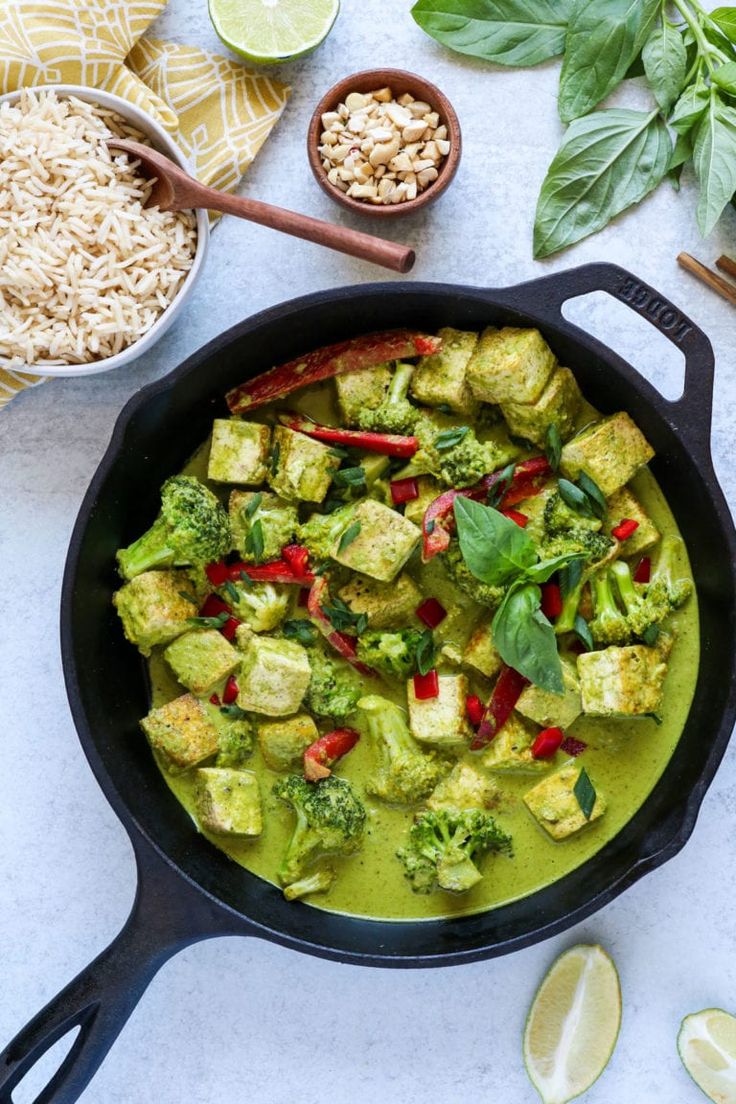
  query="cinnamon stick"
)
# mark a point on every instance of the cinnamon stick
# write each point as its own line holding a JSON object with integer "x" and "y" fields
{"x": 707, "y": 276}
{"x": 726, "y": 264}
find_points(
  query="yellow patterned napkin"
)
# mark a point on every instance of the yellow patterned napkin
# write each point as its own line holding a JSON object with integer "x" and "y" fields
{"x": 219, "y": 113}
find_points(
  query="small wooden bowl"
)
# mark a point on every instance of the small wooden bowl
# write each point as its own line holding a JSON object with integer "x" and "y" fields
{"x": 399, "y": 81}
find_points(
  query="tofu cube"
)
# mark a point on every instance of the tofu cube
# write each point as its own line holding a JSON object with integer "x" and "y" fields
{"x": 279, "y": 520}
{"x": 386, "y": 605}
{"x": 553, "y": 804}
{"x": 440, "y": 378}
{"x": 228, "y": 801}
{"x": 283, "y": 743}
{"x": 201, "y": 660}
{"x": 429, "y": 489}
{"x": 153, "y": 609}
{"x": 609, "y": 451}
{"x": 274, "y": 676}
{"x": 510, "y": 750}
{"x": 364, "y": 389}
{"x": 441, "y": 721}
{"x": 480, "y": 652}
{"x": 181, "y": 733}
{"x": 465, "y": 787}
{"x": 622, "y": 682}
{"x": 625, "y": 504}
{"x": 302, "y": 468}
{"x": 546, "y": 709}
{"x": 510, "y": 365}
{"x": 558, "y": 405}
{"x": 238, "y": 452}
{"x": 382, "y": 545}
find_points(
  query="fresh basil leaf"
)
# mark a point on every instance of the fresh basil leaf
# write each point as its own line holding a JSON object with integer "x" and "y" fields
{"x": 494, "y": 548}
{"x": 654, "y": 717}
{"x": 725, "y": 18}
{"x": 253, "y": 505}
{"x": 689, "y": 109}
{"x": 300, "y": 629}
{"x": 362, "y": 623}
{"x": 188, "y": 597}
{"x": 499, "y": 489}
{"x": 275, "y": 458}
{"x": 507, "y": 32}
{"x": 553, "y": 448}
{"x": 254, "y": 541}
{"x": 681, "y": 154}
{"x": 725, "y": 77}
{"x": 525, "y": 639}
{"x": 233, "y": 712}
{"x": 575, "y": 498}
{"x": 582, "y": 631}
{"x": 606, "y": 163}
{"x": 340, "y": 615}
{"x": 338, "y": 452}
{"x": 603, "y": 38}
{"x": 350, "y": 477}
{"x": 245, "y": 578}
{"x": 595, "y": 495}
{"x": 450, "y": 437}
{"x": 585, "y": 794}
{"x": 210, "y": 622}
{"x": 570, "y": 576}
{"x": 349, "y": 536}
{"x": 650, "y": 635}
{"x": 665, "y": 62}
{"x": 425, "y": 653}
{"x": 714, "y": 159}
{"x": 232, "y": 591}
{"x": 543, "y": 571}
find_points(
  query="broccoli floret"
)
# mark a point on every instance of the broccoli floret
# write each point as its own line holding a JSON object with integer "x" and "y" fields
{"x": 262, "y": 606}
{"x": 565, "y": 620}
{"x": 664, "y": 586}
{"x": 395, "y": 414}
{"x": 317, "y": 882}
{"x": 334, "y": 687}
{"x": 608, "y": 625}
{"x": 321, "y": 532}
{"x": 265, "y": 516}
{"x": 458, "y": 465}
{"x": 595, "y": 547}
{"x": 442, "y": 844}
{"x": 559, "y": 517}
{"x": 192, "y": 529}
{"x": 649, "y": 605}
{"x": 330, "y": 820}
{"x": 234, "y": 737}
{"x": 405, "y": 774}
{"x": 457, "y": 569}
{"x": 391, "y": 653}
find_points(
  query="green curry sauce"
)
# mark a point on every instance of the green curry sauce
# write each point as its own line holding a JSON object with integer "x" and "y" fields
{"x": 624, "y": 757}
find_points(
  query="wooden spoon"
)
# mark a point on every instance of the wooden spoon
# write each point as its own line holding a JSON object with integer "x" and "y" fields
{"x": 175, "y": 190}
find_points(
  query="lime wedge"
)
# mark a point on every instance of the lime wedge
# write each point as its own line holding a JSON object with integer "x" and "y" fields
{"x": 573, "y": 1024}
{"x": 707, "y": 1047}
{"x": 273, "y": 30}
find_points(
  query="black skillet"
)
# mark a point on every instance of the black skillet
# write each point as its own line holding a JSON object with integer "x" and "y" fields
{"x": 187, "y": 889}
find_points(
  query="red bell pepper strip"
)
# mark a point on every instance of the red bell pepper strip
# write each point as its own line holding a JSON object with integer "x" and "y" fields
{"x": 403, "y": 490}
{"x": 475, "y": 709}
{"x": 215, "y": 699}
{"x": 277, "y": 571}
{"x": 516, "y": 516}
{"x": 506, "y": 693}
{"x": 231, "y": 691}
{"x": 573, "y": 747}
{"x": 624, "y": 529}
{"x": 332, "y": 360}
{"x": 341, "y": 642}
{"x": 426, "y": 686}
{"x": 387, "y": 444}
{"x": 643, "y": 572}
{"x": 213, "y": 606}
{"x": 547, "y": 743}
{"x": 431, "y": 612}
{"x": 230, "y": 627}
{"x": 217, "y": 573}
{"x": 320, "y": 755}
{"x": 551, "y": 600}
{"x": 297, "y": 558}
{"x": 528, "y": 479}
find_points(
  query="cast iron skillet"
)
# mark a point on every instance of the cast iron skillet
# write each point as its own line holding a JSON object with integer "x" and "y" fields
{"x": 188, "y": 890}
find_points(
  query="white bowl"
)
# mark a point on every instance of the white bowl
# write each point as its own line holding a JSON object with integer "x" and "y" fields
{"x": 165, "y": 144}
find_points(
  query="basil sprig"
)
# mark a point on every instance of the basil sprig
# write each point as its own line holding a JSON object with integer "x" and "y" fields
{"x": 610, "y": 159}
{"x": 584, "y": 497}
{"x": 501, "y": 553}
{"x": 585, "y": 794}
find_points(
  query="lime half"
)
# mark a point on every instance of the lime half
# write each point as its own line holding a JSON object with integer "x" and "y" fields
{"x": 269, "y": 31}
{"x": 573, "y": 1024}
{"x": 707, "y": 1046}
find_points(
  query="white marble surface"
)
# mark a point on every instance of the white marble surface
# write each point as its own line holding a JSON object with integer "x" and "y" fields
{"x": 234, "y": 1019}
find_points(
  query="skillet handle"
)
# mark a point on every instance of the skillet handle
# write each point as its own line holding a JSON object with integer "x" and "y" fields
{"x": 693, "y": 410}
{"x": 167, "y": 916}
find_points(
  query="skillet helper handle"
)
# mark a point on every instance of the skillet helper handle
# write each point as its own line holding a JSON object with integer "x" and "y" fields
{"x": 693, "y": 410}
{"x": 166, "y": 916}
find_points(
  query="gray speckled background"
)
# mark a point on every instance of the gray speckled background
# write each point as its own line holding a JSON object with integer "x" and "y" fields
{"x": 234, "y": 1019}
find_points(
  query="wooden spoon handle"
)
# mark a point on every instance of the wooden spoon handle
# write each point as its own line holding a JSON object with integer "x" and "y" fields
{"x": 357, "y": 244}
